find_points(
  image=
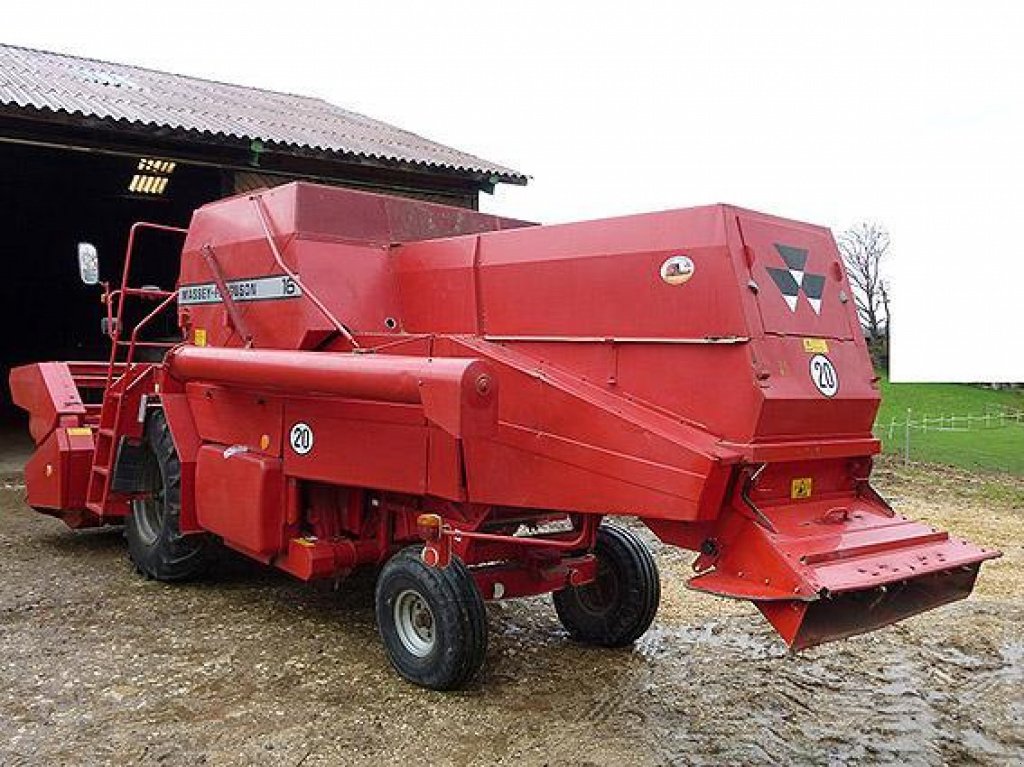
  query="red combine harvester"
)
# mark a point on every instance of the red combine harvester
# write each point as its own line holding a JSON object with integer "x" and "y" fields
{"x": 463, "y": 399}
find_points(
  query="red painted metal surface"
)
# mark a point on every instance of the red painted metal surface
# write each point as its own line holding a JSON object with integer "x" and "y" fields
{"x": 457, "y": 394}
{"x": 240, "y": 497}
{"x": 382, "y": 364}
{"x": 48, "y": 392}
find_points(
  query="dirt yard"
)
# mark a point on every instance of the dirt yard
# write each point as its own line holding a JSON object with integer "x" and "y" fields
{"x": 250, "y": 667}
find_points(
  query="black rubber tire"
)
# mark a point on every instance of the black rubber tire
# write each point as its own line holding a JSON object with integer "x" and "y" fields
{"x": 617, "y": 608}
{"x": 459, "y": 620}
{"x": 159, "y": 550}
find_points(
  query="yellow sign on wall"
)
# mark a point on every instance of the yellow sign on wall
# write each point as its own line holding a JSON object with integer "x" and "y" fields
{"x": 801, "y": 487}
{"x": 816, "y": 346}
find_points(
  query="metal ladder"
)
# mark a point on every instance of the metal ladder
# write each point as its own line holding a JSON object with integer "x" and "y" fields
{"x": 118, "y": 417}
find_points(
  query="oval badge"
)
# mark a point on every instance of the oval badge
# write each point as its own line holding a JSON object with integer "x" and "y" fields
{"x": 824, "y": 375}
{"x": 301, "y": 438}
{"x": 677, "y": 270}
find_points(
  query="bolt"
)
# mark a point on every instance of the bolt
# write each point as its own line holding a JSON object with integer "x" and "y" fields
{"x": 483, "y": 384}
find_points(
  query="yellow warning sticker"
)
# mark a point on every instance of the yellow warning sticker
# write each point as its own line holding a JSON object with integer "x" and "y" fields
{"x": 801, "y": 487}
{"x": 79, "y": 431}
{"x": 816, "y": 346}
{"x": 199, "y": 338}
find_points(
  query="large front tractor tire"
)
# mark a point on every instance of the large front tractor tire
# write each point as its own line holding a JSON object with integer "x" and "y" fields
{"x": 156, "y": 545}
{"x": 619, "y": 606}
{"x": 432, "y": 621}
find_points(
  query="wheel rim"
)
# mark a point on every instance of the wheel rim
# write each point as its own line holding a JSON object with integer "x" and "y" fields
{"x": 414, "y": 623}
{"x": 598, "y": 597}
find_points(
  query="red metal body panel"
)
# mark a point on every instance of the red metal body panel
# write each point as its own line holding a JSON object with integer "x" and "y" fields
{"x": 57, "y": 474}
{"x": 399, "y": 435}
{"x": 761, "y": 236}
{"x": 456, "y": 394}
{"x": 701, "y": 369}
{"x": 240, "y": 497}
{"x": 181, "y": 419}
{"x": 314, "y": 240}
{"x": 49, "y": 394}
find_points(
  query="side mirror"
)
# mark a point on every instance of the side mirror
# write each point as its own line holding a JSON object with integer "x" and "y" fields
{"x": 88, "y": 263}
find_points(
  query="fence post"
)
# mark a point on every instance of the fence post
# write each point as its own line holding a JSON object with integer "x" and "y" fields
{"x": 906, "y": 442}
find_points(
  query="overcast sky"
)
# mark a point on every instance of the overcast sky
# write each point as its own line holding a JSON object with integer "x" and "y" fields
{"x": 911, "y": 114}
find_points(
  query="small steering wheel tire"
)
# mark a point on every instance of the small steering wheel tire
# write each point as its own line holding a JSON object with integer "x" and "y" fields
{"x": 432, "y": 621}
{"x": 619, "y": 606}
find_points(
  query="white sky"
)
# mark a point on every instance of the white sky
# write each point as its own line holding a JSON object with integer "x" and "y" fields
{"x": 911, "y": 114}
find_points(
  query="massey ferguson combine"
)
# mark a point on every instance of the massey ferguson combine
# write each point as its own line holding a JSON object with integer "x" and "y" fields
{"x": 465, "y": 401}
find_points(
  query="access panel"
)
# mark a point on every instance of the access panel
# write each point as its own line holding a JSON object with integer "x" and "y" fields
{"x": 801, "y": 287}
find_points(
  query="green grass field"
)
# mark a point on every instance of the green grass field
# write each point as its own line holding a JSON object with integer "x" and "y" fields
{"x": 991, "y": 446}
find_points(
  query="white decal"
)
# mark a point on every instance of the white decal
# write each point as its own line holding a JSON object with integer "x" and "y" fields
{"x": 301, "y": 438}
{"x": 677, "y": 270}
{"x": 824, "y": 376}
{"x": 256, "y": 289}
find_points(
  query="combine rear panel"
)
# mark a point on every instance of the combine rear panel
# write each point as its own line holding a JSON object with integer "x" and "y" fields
{"x": 362, "y": 379}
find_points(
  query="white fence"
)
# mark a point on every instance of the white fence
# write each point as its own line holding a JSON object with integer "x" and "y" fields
{"x": 950, "y": 422}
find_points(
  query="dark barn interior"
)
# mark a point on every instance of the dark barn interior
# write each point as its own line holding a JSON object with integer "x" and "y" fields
{"x": 53, "y": 199}
{"x": 87, "y": 148}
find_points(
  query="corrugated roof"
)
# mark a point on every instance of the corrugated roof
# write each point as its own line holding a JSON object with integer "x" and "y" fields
{"x": 41, "y": 80}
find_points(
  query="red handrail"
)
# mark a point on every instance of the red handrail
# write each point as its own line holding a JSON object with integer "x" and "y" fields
{"x": 114, "y": 320}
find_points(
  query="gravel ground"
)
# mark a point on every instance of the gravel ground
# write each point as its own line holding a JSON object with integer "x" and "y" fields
{"x": 251, "y": 667}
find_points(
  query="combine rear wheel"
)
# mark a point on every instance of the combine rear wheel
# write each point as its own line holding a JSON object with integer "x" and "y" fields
{"x": 432, "y": 621}
{"x": 617, "y": 608}
{"x": 155, "y": 543}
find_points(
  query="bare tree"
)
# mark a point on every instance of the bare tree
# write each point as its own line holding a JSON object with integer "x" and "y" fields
{"x": 864, "y": 248}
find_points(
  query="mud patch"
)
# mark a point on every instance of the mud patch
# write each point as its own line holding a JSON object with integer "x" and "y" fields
{"x": 102, "y": 667}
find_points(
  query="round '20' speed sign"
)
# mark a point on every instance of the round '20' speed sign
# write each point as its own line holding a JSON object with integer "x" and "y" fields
{"x": 301, "y": 438}
{"x": 824, "y": 375}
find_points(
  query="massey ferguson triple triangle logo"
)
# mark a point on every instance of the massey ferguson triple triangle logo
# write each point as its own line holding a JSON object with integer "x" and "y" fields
{"x": 793, "y": 280}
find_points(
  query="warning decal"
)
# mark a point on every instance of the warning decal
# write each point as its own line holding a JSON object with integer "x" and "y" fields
{"x": 801, "y": 487}
{"x": 253, "y": 289}
{"x": 816, "y": 345}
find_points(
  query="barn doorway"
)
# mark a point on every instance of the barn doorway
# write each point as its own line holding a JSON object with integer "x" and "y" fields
{"x": 50, "y": 200}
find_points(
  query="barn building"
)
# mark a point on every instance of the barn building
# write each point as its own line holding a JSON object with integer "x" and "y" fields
{"x": 88, "y": 147}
